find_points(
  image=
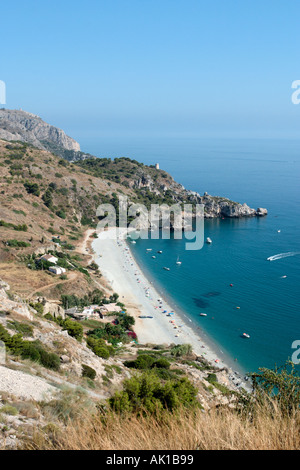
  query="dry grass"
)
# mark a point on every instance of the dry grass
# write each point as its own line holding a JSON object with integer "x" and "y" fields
{"x": 216, "y": 430}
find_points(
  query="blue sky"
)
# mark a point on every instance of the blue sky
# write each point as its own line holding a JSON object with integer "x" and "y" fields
{"x": 102, "y": 68}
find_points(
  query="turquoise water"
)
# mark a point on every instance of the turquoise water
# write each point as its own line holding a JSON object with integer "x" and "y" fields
{"x": 263, "y": 173}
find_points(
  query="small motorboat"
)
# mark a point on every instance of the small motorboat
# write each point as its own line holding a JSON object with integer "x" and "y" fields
{"x": 178, "y": 262}
{"x": 208, "y": 240}
{"x": 167, "y": 269}
{"x": 203, "y": 314}
{"x": 245, "y": 335}
{"x": 133, "y": 242}
{"x": 149, "y": 249}
{"x": 153, "y": 257}
{"x": 160, "y": 252}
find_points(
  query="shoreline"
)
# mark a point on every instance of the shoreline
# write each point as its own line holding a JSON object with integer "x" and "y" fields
{"x": 166, "y": 326}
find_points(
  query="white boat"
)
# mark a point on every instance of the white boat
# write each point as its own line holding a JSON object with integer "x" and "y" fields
{"x": 153, "y": 257}
{"x": 167, "y": 269}
{"x": 133, "y": 242}
{"x": 149, "y": 249}
{"x": 160, "y": 252}
{"x": 245, "y": 335}
{"x": 208, "y": 240}
{"x": 203, "y": 314}
{"x": 178, "y": 262}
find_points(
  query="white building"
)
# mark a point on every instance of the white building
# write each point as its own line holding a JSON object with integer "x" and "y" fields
{"x": 110, "y": 308}
{"x": 50, "y": 258}
{"x": 57, "y": 270}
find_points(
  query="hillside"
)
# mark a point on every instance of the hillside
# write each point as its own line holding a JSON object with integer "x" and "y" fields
{"x": 27, "y": 127}
{"x": 59, "y": 367}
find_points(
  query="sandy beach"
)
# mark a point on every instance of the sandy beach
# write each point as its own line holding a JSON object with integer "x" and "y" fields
{"x": 165, "y": 326}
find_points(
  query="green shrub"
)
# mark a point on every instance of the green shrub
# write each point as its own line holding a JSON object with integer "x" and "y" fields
{"x": 32, "y": 188}
{"x": 17, "y": 243}
{"x": 61, "y": 213}
{"x": 73, "y": 328}
{"x": 88, "y": 372}
{"x": 98, "y": 346}
{"x": 181, "y": 350}
{"x": 148, "y": 393}
{"x": 32, "y": 350}
{"x": 162, "y": 363}
{"x": 143, "y": 362}
{"x": 9, "y": 410}
{"x": 212, "y": 378}
{"x": 38, "y": 307}
{"x": 23, "y": 328}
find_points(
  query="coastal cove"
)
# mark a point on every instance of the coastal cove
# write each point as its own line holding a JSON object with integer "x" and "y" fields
{"x": 162, "y": 322}
{"x": 266, "y": 175}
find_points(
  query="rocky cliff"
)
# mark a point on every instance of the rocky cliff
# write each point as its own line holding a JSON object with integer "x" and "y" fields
{"x": 27, "y": 127}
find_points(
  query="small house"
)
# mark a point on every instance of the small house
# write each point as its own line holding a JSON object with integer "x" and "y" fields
{"x": 49, "y": 258}
{"x": 57, "y": 270}
{"x": 110, "y": 308}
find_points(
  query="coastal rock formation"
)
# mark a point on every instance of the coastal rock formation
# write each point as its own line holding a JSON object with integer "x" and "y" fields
{"x": 147, "y": 185}
{"x": 27, "y": 127}
{"x": 52, "y": 307}
{"x": 16, "y": 305}
{"x": 261, "y": 212}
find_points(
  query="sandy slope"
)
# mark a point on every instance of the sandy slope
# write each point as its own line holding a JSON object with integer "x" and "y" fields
{"x": 25, "y": 386}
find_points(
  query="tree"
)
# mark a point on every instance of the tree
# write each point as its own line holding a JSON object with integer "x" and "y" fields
{"x": 32, "y": 188}
{"x": 281, "y": 384}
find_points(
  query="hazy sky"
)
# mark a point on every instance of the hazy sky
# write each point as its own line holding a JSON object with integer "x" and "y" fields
{"x": 99, "y": 68}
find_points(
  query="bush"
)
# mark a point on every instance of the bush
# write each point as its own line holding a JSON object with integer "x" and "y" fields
{"x": 23, "y": 328}
{"x": 181, "y": 350}
{"x": 17, "y": 243}
{"x": 61, "y": 213}
{"x": 38, "y": 307}
{"x": 32, "y": 188}
{"x": 162, "y": 363}
{"x": 9, "y": 410}
{"x": 282, "y": 384}
{"x": 143, "y": 362}
{"x": 73, "y": 328}
{"x": 32, "y": 350}
{"x": 149, "y": 393}
{"x": 98, "y": 346}
{"x": 212, "y": 378}
{"x": 88, "y": 372}
{"x": 102, "y": 352}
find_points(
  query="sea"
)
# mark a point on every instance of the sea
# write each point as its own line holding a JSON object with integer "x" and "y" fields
{"x": 231, "y": 280}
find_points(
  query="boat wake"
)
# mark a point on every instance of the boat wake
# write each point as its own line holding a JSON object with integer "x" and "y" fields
{"x": 283, "y": 255}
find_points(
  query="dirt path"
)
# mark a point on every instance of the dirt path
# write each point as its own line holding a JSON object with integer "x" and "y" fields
{"x": 71, "y": 277}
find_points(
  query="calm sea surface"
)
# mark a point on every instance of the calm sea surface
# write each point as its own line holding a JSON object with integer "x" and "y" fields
{"x": 262, "y": 173}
